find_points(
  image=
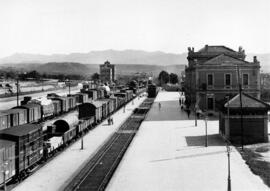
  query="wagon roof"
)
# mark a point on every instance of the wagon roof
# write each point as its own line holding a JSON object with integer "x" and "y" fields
{"x": 21, "y": 129}
{"x": 30, "y": 105}
{"x": 15, "y": 110}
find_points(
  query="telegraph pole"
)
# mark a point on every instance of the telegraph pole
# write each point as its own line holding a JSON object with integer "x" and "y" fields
{"x": 17, "y": 85}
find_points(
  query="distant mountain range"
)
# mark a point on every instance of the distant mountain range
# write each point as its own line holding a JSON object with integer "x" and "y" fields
{"x": 127, "y": 61}
{"x": 99, "y": 57}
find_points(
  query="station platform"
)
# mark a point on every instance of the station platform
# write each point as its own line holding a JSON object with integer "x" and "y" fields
{"x": 56, "y": 174}
{"x": 169, "y": 153}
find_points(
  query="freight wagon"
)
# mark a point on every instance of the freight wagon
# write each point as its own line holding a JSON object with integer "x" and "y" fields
{"x": 17, "y": 116}
{"x": 105, "y": 107}
{"x": 47, "y": 107}
{"x": 85, "y": 124}
{"x": 63, "y": 103}
{"x": 92, "y": 93}
{"x": 123, "y": 96}
{"x": 4, "y": 120}
{"x": 152, "y": 90}
{"x": 56, "y": 107}
{"x": 93, "y": 109}
{"x": 110, "y": 105}
{"x": 29, "y": 146}
{"x": 71, "y": 99}
{"x": 33, "y": 111}
{"x": 7, "y": 160}
{"x": 82, "y": 98}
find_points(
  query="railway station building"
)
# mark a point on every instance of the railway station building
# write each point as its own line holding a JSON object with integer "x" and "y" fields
{"x": 214, "y": 72}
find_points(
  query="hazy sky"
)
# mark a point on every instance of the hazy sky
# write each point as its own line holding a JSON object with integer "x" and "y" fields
{"x": 65, "y": 26}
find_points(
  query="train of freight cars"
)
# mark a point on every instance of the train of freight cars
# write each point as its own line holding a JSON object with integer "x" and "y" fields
{"x": 37, "y": 110}
{"x": 26, "y": 146}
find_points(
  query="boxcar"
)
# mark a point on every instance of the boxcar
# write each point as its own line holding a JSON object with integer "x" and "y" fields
{"x": 64, "y": 104}
{"x": 71, "y": 99}
{"x": 56, "y": 107}
{"x": 17, "y": 116}
{"x": 152, "y": 91}
{"x": 92, "y": 93}
{"x": 81, "y": 97}
{"x": 122, "y": 95}
{"x": 33, "y": 112}
{"x": 115, "y": 103}
{"x": 7, "y": 159}
{"x": 104, "y": 107}
{"x": 47, "y": 106}
{"x": 4, "y": 120}
{"x": 93, "y": 109}
{"x": 29, "y": 145}
{"x": 110, "y": 105}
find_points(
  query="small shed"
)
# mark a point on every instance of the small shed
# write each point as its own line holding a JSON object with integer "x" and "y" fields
{"x": 254, "y": 120}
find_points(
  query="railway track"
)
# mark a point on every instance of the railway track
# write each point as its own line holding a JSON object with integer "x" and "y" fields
{"x": 100, "y": 168}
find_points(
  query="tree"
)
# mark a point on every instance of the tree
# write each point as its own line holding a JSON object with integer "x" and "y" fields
{"x": 163, "y": 77}
{"x": 95, "y": 77}
{"x": 133, "y": 84}
{"x": 173, "y": 78}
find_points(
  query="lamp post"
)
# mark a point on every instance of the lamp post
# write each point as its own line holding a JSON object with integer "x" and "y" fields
{"x": 206, "y": 136}
{"x": 229, "y": 167}
{"x": 82, "y": 142}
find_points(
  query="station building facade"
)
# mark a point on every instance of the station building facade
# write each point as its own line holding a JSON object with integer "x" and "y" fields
{"x": 214, "y": 72}
{"x": 107, "y": 72}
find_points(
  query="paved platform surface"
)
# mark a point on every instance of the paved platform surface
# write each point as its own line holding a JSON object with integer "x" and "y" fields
{"x": 169, "y": 153}
{"x": 57, "y": 173}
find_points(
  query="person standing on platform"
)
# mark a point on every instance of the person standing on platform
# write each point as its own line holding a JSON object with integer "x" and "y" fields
{"x": 159, "y": 105}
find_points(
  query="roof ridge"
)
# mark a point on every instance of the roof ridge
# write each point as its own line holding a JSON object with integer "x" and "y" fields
{"x": 248, "y": 96}
{"x": 224, "y": 54}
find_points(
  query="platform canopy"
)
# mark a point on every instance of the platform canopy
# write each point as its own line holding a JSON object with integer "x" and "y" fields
{"x": 247, "y": 102}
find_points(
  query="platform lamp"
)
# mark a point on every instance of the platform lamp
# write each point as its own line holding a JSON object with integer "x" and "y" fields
{"x": 82, "y": 141}
{"x": 229, "y": 166}
{"x": 206, "y": 135}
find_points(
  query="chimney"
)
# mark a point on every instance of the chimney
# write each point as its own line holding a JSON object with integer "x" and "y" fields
{"x": 192, "y": 49}
{"x": 255, "y": 59}
{"x": 206, "y": 47}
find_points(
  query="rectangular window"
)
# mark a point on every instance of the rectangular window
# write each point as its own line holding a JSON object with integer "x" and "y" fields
{"x": 210, "y": 103}
{"x": 210, "y": 79}
{"x": 227, "y": 79}
{"x": 245, "y": 79}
